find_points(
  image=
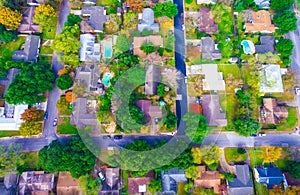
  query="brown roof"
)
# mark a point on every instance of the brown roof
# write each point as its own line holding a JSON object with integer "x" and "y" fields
{"x": 272, "y": 113}
{"x": 261, "y": 22}
{"x": 149, "y": 110}
{"x": 208, "y": 179}
{"x": 67, "y": 185}
{"x": 27, "y": 25}
{"x": 135, "y": 183}
{"x": 207, "y": 23}
{"x": 138, "y": 41}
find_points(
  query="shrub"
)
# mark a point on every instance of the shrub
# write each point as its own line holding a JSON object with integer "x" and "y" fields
{"x": 101, "y": 36}
{"x": 188, "y": 1}
{"x": 161, "y": 51}
{"x": 148, "y": 47}
{"x": 136, "y": 33}
{"x": 146, "y": 32}
{"x": 64, "y": 82}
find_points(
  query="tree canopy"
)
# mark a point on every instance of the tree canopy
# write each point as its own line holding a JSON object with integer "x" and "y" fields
{"x": 44, "y": 16}
{"x": 64, "y": 82}
{"x": 270, "y": 153}
{"x": 148, "y": 47}
{"x": 122, "y": 43}
{"x": 7, "y": 35}
{"x": 89, "y": 185}
{"x": 285, "y": 47}
{"x": 9, "y": 18}
{"x": 10, "y": 159}
{"x": 192, "y": 172}
{"x": 246, "y": 127}
{"x": 280, "y": 5}
{"x": 293, "y": 168}
{"x": 72, "y": 19}
{"x": 165, "y": 9}
{"x": 29, "y": 128}
{"x": 32, "y": 114}
{"x": 5, "y": 65}
{"x": 210, "y": 155}
{"x": 286, "y": 21}
{"x": 30, "y": 84}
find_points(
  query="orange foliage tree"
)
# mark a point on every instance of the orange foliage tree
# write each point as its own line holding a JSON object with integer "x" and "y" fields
{"x": 62, "y": 71}
{"x": 70, "y": 97}
{"x": 32, "y": 114}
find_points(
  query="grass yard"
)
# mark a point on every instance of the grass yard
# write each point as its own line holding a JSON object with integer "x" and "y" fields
{"x": 289, "y": 123}
{"x": 192, "y": 6}
{"x": 106, "y": 2}
{"x": 45, "y": 59}
{"x": 233, "y": 155}
{"x": 255, "y": 156}
{"x": 124, "y": 174}
{"x": 298, "y": 4}
{"x": 49, "y": 33}
{"x": 180, "y": 187}
{"x": 9, "y": 133}
{"x": 261, "y": 189}
{"x": 46, "y": 50}
{"x": 232, "y": 69}
{"x": 7, "y": 49}
{"x": 228, "y": 104}
{"x": 30, "y": 160}
{"x": 64, "y": 127}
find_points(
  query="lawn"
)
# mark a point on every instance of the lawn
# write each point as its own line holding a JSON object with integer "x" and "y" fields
{"x": 288, "y": 93}
{"x": 289, "y": 123}
{"x": 228, "y": 104}
{"x": 106, "y": 2}
{"x": 298, "y": 4}
{"x": 261, "y": 189}
{"x": 51, "y": 31}
{"x": 232, "y": 77}
{"x": 46, "y": 50}
{"x": 9, "y": 133}
{"x": 64, "y": 127}
{"x": 124, "y": 174}
{"x": 232, "y": 69}
{"x": 45, "y": 59}
{"x": 233, "y": 155}
{"x": 7, "y": 49}
{"x": 30, "y": 160}
{"x": 255, "y": 156}
{"x": 180, "y": 187}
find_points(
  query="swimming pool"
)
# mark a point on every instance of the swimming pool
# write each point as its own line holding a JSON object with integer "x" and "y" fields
{"x": 107, "y": 50}
{"x": 248, "y": 47}
{"x": 106, "y": 79}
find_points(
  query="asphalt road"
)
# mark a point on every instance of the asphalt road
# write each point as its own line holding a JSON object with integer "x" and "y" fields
{"x": 49, "y": 131}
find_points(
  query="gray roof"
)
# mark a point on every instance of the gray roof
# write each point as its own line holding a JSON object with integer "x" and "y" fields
{"x": 270, "y": 176}
{"x": 35, "y": 2}
{"x": 89, "y": 2}
{"x": 152, "y": 79}
{"x": 89, "y": 75}
{"x": 9, "y": 185}
{"x": 212, "y": 110}
{"x": 170, "y": 179}
{"x": 263, "y": 4}
{"x": 30, "y": 52}
{"x": 111, "y": 185}
{"x": 97, "y": 16}
{"x": 27, "y": 25}
{"x": 266, "y": 45}
{"x": 242, "y": 184}
{"x": 208, "y": 49}
{"x": 147, "y": 21}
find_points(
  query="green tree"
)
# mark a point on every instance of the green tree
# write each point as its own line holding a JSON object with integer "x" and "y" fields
{"x": 64, "y": 82}
{"x": 72, "y": 20}
{"x": 171, "y": 120}
{"x": 246, "y": 127}
{"x": 242, "y": 96}
{"x": 137, "y": 115}
{"x": 130, "y": 20}
{"x": 89, "y": 185}
{"x": 9, "y": 18}
{"x": 285, "y": 47}
{"x": 10, "y": 159}
{"x": 192, "y": 172}
{"x": 196, "y": 127}
{"x": 7, "y": 35}
{"x": 29, "y": 128}
{"x": 188, "y": 1}
{"x": 161, "y": 90}
{"x": 146, "y": 32}
{"x": 44, "y": 16}
{"x": 281, "y": 5}
{"x": 165, "y": 9}
{"x": 293, "y": 168}
{"x": 155, "y": 185}
{"x": 286, "y": 21}
{"x": 229, "y": 176}
{"x": 122, "y": 43}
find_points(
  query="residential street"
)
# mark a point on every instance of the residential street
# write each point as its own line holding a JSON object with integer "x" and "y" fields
{"x": 49, "y": 130}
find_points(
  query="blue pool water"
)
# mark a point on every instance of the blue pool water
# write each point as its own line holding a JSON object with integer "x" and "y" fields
{"x": 247, "y": 48}
{"x": 106, "y": 79}
{"x": 107, "y": 50}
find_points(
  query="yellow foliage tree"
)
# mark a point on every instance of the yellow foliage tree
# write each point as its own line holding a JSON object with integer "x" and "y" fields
{"x": 44, "y": 15}
{"x": 10, "y": 18}
{"x": 270, "y": 153}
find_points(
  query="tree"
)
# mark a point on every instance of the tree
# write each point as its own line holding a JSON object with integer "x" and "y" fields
{"x": 89, "y": 185}
{"x": 7, "y": 36}
{"x": 196, "y": 127}
{"x": 9, "y": 18}
{"x": 281, "y": 5}
{"x": 171, "y": 120}
{"x": 44, "y": 16}
{"x": 130, "y": 20}
{"x": 147, "y": 32}
{"x": 75, "y": 4}
{"x": 72, "y": 20}
{"x": 69, "y": 97}
{"x": 197, "y": 158}
{"x": 285, "y": 47}
{"x": 10, "y": 159}
{"x": 242, "y": 96}
{"x": 122, "y": 43}
{"x": 64, "y": 82}
{"x": 29, "y": 85}
{"x": 161, "y": 90}
{"x": 103, "y": 116}
{"x": 62, "y": 104}
{"x": 148, "y": 47}
{"x": 210, "y": 155}
{"x": 29, "y": 128}
{"x": 286, "y": 21}
{"x": 155, "y": 185}
{"x": 32, "y": 114}
{"x": 229, "y": 176}
{"x": 246, "y": 127}
{"x": 192, "y": 172}
{"x": 188, "y": 1}
{"x": 270, "y": 153}
{"x": 165, "y": 9}
{"x": 293, "y": 168}
{"x": 136, "y": 5}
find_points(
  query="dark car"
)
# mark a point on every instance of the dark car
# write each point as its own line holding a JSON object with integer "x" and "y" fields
{"x": 198, "y": 100}
{"x": 46, "y": 115}
{"x": 118, "y": 137}
{"x": 106, "y": 137}
{"x": 54, "y": 122}
{"x": 253, "y": 135}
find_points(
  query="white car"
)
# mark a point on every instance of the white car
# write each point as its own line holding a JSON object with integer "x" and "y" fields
{"x": 183, "y": 27}
{"x": 101, "y": 176}
{"x": 297, "y": 90}
{"x": 185, "y": 80}
{"x": 261, "y": 134}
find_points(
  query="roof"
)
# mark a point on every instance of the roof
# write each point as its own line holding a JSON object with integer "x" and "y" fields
{"x": 207, "y": 23}
{"x": 147, "y": 21}
{"x": 266, "y": 45}
{"x": 270, "y": 176}
{"x": 35, "y": 2}
{"x": 27, "y": 25}
{"x": 213, "y": 79}
{"x": 212, "y": 110}
{"x": 89, "y": 50}
{"x": 149, "y": 110}
{"x": 272, "y": 113}
{"x": 138, "y": 41}
{"x": 30, "y": 52}
{"x": 208, "y": 179}
{"x": 170, "y": 179}
{"x": 112, "y": 178}
{"x": 263, "y": 4}
{"x": 36, "y": 181}
{"x": 89, "y": 75}
{"x": 260, "y": 22}
{"x": 242, "y": 183}
{"x": 270, "y": 79}
{"x": 138, "y": 185}
{"x": 208, "y": 49}
{"x": 9, "y": 184}
{"x": 89, "y": 2}
{"x": 67, "y": 185}
{"x": 97, "y": 16}
{"x": 206, "y": 1}
{"x": 152, "y": 79}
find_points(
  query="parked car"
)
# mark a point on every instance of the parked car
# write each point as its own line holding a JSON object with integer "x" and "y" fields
{"x": 101, "y": 176}
{"x": 46, "y": 115}
{"x": 185, "y": 80}
{"x": 253, "y": 135}
{"x": 297, "y": 90}
{"x": 261, "y": 134}
{"x": 156, "y": 121}
{"x": 106, "y": 137}
{"x": 183, "y": 27}
{"x": 54, "y": 122}
{"x": 118, "y": 137}
{"x": 198, "y": 100}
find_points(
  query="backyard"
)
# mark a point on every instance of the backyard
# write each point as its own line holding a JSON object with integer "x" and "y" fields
{"x": 289, "y": 123}
{"x": 7, "y": 49}
{"x": 64, "y": 126}
{"x": 30, "y": 160}
{"x": 46, "y": 50}
{"x": 235, "y": 154}
{"x": 50, "y": 32}
{"x": 228, "y": 104}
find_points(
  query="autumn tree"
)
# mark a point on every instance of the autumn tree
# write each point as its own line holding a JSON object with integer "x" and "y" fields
{"x": 69, "y": 97}
{"x": 136, "y": 5}
{"x": 62, "y": 104}
{"x": 62, "y": 71}
{"x": 32, "y": 114}
{"x": 10, "y": 159}
{"x": 192, "y": 172}
{"x": 44, "y": 16}
{"x": 130, "y": 20}
{"x": 75, "y": 4}
{"x": 29, "y": 128}
{"x": 210, "y": 155}
{"x": 10, "y": 18}
{"x": 270, "y": 153}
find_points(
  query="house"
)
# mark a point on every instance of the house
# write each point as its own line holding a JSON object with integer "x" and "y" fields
{"x": 67, "y": 185}
{"x": 260, "y": 22}
{"x": 208, "y": 180}
{"x": 152, "y": 79}
{"x": 89, "y": 2}
{"x": 207, "y": 23}
{"x": 89, "y": 50}
{"x": 269, "y": 176}
{"x": 36, "y": 182}
{"x": 30, "y": 52}
{"x": 209, "y": 49}
{"x": 89, "y": 75}
{"x": 213, "y": 79}
{"x": 27, "y": 25}
{"x": 35, "y": 2}
{"x": 272, "y": 113}
{"x": 151, "y": 112}
{"x": 138, "y": 41}
{"x": 9, "y": 184}
{"x": 113, "y": 182}
{"x": 212, "y": 110}
{"x": 263, "y": 4}
{"x": 266, "y": 45}
{"x": 270, "y": 79}
{"x": 10, "y": 115}
{"x": 207, "y": 1}
{"x": 97, "y": 17}
{"x": 170, "y": 179}
{"x": 242, "y": 183}
{"x": 138, "y": 185}
{"x": 147, "y": 21}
